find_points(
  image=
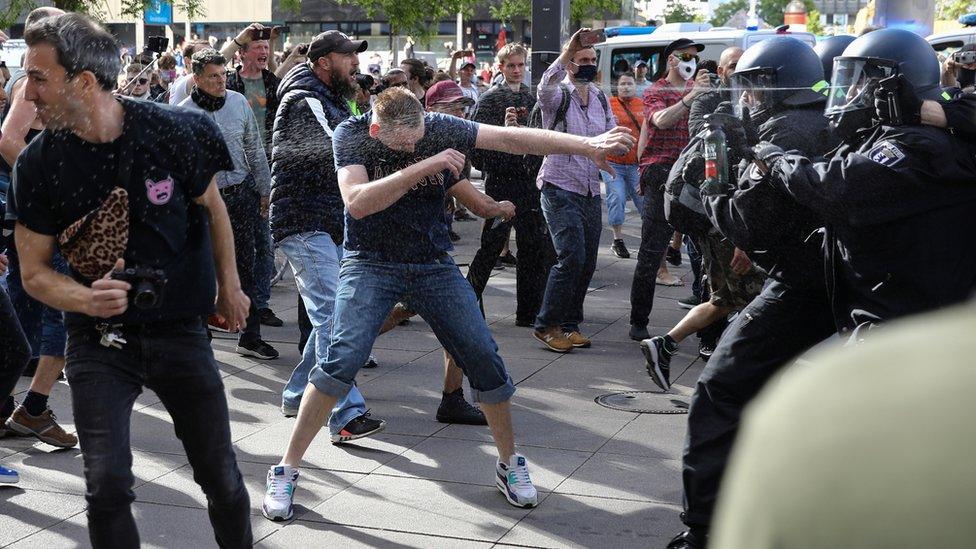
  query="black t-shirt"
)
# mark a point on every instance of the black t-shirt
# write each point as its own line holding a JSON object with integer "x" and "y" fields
{"x": 59, "y": 178}
{"x": 413, "y": 229}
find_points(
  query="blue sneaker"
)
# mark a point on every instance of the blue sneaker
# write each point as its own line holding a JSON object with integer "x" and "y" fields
{"x": 513, "y": 480}
{"x": 8, "y": 476}
{"x": 282, "y": 481}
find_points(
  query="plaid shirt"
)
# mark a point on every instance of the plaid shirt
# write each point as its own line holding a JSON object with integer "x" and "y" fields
{"x": 664, "y": 145}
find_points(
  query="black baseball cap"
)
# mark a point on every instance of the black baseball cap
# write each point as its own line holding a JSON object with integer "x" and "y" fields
{"x": 681, "y": 44}
{"x": 334, "y": 41}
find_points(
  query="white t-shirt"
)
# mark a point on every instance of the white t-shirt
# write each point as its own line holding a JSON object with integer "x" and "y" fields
{"x": 180, "y": 89}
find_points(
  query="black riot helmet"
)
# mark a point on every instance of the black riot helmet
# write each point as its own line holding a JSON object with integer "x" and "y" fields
{"x": 830, "y": 48}
{"x": 878, "y": 55}
{"x": 779, "y": 71}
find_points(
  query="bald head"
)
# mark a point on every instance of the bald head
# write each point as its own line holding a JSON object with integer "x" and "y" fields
{"x": 727, "y": 62}
{"x": 41, "y": 13}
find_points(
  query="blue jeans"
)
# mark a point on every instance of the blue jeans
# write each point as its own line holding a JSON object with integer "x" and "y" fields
{"x": 575, "y": 223}
{"x": 263, "y": 263}
{"x": 175, "y": 360}
{"x": 619, "y": 189}
{"x": 43, "y": 326}
{"x": 314, "y": 258}
{"x": 369, "y": 287}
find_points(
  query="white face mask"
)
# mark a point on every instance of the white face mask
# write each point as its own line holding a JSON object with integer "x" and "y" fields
{"x": 687, "y": 68}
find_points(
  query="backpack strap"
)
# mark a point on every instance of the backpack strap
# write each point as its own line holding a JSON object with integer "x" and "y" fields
{"x": 560, "y": 117}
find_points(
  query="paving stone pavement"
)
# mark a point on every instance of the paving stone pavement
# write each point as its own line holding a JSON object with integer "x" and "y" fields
{"x": 606, "y": 477}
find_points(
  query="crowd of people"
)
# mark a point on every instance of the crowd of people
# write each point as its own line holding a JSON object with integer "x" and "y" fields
{"x": 146, "y": 205}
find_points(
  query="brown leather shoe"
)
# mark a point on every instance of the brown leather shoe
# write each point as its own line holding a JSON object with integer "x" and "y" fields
{"x": 398, "y": 314}
{"x": 554, "y": 340}
{"x": 578, "y": 340}
{"x": 44, "y": 427}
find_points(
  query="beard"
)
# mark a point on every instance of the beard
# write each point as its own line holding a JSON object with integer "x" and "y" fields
{"x": 345, "y": 88}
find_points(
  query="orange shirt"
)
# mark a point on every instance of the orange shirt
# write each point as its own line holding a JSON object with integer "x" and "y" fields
{"x": 620, "y": 107}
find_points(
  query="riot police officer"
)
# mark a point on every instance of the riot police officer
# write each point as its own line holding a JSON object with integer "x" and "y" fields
{"x": 897, "y": 201}
{"x": 778, "y": 82}
{"x": 830, "y": 48}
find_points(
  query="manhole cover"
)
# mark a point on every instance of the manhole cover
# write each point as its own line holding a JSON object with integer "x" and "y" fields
{"x": 645, "y": 402}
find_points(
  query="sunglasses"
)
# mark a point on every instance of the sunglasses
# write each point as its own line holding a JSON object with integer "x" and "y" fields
{"x": 685, "y": 56}
{"x": 142, "y": 81}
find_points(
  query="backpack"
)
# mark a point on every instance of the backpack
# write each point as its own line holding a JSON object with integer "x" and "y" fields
{"x": 683, "y": 206}
{"x": 533, "y": 163}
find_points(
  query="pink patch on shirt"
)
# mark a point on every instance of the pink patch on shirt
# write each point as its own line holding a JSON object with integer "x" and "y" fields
{"x": 159, "y": 192}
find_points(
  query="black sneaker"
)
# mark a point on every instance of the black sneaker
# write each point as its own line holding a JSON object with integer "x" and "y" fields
{"x": 658, "y": 361}
{"x": 359, "y": 427}
{"x": 454, "y": 409}
{"x": 256, "y": 348}
{"x": 371, "y": 362}
{"x": 499, "y": 266}
{"x": 687, "y": 540}
{"x": 689, "y": 302}
{"x": 638, "y": 333}
{"x": 268, "y": 318}
{"x": 619, "y": 249}
{"x": 705, "y": 351}
{"x": 509, "y": 260}
{"x": 673, "y": 256}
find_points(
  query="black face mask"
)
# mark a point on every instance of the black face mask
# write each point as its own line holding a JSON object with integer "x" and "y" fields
{"x": 206, "y": 101}
{"x": 586, "y": 73}
{"x": 846, "y": 125}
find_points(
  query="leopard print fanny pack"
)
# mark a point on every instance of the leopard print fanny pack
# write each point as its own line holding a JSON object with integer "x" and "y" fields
{"x": 93, "y": 243}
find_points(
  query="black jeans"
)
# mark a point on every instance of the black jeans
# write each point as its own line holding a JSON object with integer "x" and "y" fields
{"x": 655, "y": 236}
{"x": 14, "y": 349}
{"x": 244, "y": 208}
{"x": 174, "y": 360}
{"x": 535, "y": 252}
{"x": 777, "y": 326}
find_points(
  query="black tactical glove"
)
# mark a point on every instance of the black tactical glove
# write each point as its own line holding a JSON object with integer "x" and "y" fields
{"x": 765, "y": 156}
{"x": 896, "y": 103}
{"x": 694, "y": 170}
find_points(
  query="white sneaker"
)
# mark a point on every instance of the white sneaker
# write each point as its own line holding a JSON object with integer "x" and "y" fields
{"x": 282, "y": 481}
{"x": 514, "y": 482}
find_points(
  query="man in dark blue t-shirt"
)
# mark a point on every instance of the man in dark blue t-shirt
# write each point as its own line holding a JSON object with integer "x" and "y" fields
{"x": 395, "y": 167}
{"x": 165, "y": 159}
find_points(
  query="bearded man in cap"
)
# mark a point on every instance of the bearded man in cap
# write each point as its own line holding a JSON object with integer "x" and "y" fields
{"x": 307, "y": 210}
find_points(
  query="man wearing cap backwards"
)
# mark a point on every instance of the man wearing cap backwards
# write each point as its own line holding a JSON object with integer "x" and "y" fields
{"x": 306, "y": 207}
{"x": 395, "y": 166}
{"x": 663, "y": 135}
{"x": 465, "y": 77}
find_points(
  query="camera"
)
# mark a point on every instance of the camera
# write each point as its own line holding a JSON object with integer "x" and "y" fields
{"x": 261, "y": 34}
{"x": 964, "y": 57}
{"x": 147, "y": 285}
{"x": 157, "y": 44}
{"x": 365, "y": 81}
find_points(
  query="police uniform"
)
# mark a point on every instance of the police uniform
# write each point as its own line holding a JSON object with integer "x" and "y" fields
{"x": 899, "y": 211}
{"x": 789, "y": 315}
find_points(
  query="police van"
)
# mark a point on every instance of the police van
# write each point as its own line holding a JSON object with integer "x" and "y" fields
{"x": 650, "y": 47}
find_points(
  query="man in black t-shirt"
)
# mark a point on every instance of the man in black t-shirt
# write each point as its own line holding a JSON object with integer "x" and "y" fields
{"x": 395, "y": 167}
{"x": 166, "y": 160}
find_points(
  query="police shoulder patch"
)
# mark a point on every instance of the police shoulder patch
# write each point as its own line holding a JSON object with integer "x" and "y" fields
{"x": 886, "y": 153}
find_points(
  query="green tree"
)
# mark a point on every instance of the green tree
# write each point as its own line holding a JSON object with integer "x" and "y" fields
{"x": 677, "y": 12}
{"x": 813, "y": 23}
{"x": 725, "y": 12}
{"x": 579, "y": 10}
{"x": 953, "y": 9}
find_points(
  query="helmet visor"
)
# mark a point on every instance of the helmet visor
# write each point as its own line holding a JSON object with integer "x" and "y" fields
{"x": 854, "y": 81}
{"x": 753, "y": 90}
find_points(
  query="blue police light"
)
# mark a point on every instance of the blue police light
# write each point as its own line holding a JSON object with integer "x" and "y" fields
{"x": 628, "y": 31}
{"x": 968, "y": 20}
